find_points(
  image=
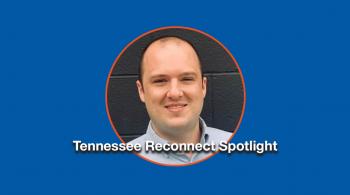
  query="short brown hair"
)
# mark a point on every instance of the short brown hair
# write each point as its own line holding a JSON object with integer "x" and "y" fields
{"x": 165, "y": 39}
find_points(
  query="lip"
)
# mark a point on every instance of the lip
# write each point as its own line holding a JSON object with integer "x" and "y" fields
{"x": 175, "y": 107}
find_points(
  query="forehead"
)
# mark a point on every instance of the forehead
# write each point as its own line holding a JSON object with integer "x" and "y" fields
{"x": 170, "y": 55}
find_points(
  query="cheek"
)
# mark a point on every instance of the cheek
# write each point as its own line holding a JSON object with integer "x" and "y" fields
{"x": 154, "y": 95}
{"x": 196, "y": 92}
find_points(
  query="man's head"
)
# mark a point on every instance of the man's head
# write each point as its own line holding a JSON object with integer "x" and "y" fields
{"x": 171, "y": 85}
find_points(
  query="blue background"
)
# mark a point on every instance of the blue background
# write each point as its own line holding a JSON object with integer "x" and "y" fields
{"x": 55, "y": 58}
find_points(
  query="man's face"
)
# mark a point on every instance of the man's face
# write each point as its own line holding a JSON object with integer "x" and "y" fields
{"x": 172, "y": 87}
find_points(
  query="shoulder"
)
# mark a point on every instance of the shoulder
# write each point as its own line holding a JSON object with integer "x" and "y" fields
{"x": 218, "y": 135}
{"x": 140, "y": 140}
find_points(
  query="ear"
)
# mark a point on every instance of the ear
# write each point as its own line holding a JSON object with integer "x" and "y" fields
{"x": 204, "y": 86}
{"x": 141, "y": 91}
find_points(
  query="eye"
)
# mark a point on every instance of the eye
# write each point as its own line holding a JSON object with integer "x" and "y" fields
{"x": 159, "y": 81}
{"x": 188, "y": 79}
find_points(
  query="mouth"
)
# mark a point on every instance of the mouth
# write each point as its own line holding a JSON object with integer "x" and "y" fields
{"x": 175, "y": 107}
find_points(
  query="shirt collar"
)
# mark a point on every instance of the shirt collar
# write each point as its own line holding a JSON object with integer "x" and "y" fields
{"x": 154, "y": 137}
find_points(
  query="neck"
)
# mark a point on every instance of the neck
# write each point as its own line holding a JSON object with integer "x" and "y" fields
{"x": 188, "y": 135}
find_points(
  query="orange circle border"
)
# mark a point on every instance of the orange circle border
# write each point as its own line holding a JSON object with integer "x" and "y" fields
{"x": 185, "y": 28}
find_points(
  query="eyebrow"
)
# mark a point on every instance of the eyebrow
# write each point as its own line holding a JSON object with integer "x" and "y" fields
{"x": 188, "y": 74}
{"x": 158, "y": 76}
{"x": 182, "y": 74}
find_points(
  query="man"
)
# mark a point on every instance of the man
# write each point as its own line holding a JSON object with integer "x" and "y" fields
{"x": 172, "y": 86}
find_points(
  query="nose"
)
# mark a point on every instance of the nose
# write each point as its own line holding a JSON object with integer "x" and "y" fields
{"x": 175, "y": 92}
